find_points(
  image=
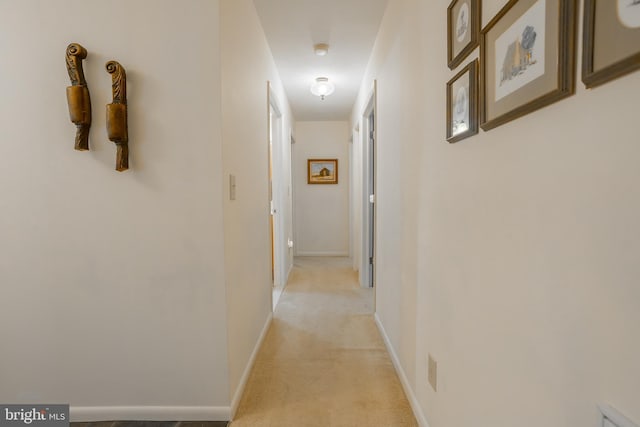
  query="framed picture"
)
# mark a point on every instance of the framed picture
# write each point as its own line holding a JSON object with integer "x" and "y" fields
{"x": 610, "y": 40}
{"x": 463, "y": 29}
{"x": 527, "y": 57}
{"x": 322, "y": 171}
{"x": 462, "y": 103}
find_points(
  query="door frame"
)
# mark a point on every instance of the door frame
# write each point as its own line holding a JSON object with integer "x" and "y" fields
{"x": 275, "y": 135}
{"x": 368, "y": 230}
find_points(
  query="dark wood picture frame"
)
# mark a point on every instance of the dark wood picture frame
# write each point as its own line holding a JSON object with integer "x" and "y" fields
{"x": 554, "y": 84}
{"x": 322, "y": 171}
{"x": 456, "y": 52}
{"x": 470, "y": 99}
{"x": 599, "y": 28}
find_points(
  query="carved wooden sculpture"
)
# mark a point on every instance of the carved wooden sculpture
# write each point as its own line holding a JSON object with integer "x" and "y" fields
{"x": 78, "y": 95}
{"x": 117, "y": 114}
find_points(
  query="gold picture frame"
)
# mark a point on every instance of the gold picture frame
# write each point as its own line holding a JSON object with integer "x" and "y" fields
{"x": 527, "y": 56}
{"x": 322, "y": 171}
{"x": 463, "y": 30}
{"x": 462, "y": 103}
{"x": 610, "y": 40}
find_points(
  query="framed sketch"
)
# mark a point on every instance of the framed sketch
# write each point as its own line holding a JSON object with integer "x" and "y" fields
{"x": 610, "y": 40}
{"x": 463, "y": 29}
{"x": 462, "y": 103}
{"x": 527, "y": 56}
{"x": 322, "y": 171}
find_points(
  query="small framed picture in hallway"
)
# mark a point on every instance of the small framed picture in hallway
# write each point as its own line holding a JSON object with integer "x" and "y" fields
{"x": 322, "y": 171}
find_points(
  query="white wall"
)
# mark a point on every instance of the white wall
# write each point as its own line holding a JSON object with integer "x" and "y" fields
{"x": 112, "y": 283}
{"x": 525, "y": 284}
{"x": 247, "y": 66}
{"x": 321, "y": 211}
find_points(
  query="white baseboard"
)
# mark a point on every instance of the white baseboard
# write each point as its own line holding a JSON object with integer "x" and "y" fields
{"x": 340, "y": 254}
{"x": 149, "y": 413}
{"x": 612, "y": 415}
{"x": 247, "y": 370}
{"x": 413, "y": 400}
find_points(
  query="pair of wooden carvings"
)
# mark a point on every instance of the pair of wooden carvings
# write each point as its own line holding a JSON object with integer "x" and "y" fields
{"x": 80, "y": 105}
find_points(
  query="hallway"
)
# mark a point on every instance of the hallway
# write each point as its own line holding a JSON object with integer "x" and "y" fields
{"x": 323, "y": 361}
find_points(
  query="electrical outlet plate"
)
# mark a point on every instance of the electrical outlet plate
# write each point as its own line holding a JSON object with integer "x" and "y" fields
{"x": 433, "y": 372}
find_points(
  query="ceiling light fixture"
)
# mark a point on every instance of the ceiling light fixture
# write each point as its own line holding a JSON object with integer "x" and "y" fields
{"x": 321, "y": 49}
{"x": 322, "y": 87}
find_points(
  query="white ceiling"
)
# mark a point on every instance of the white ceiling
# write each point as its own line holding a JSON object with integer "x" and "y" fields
{"x": 292, "y": 27}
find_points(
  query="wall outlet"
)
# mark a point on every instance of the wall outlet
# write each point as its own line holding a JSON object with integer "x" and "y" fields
{"x": 432, "y": 372}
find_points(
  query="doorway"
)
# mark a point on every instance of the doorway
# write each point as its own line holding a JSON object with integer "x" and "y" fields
{"x": 371, "y": 187}
{"x": 276, "y": 207}
{"x": 368, "y": 134}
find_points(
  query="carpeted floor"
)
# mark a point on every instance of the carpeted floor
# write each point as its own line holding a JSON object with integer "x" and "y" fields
{"x": 323, "y": 362}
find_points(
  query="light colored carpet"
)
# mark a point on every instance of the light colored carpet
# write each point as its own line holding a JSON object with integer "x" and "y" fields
{"x": 323, "y": 362}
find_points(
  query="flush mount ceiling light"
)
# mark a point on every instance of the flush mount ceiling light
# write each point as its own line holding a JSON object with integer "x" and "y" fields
{"x": 321, "y": 49}
{"x": 322, "y": 87}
